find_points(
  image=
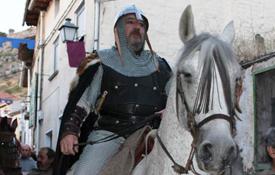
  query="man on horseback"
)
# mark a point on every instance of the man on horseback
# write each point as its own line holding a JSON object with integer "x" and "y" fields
{"x": 124, "y": 86}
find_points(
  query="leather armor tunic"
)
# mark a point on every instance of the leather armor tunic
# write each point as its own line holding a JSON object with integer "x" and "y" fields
{"x": 132, "y": 99}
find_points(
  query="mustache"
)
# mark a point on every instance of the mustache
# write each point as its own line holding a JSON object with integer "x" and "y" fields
{"x": 135, "y": 32}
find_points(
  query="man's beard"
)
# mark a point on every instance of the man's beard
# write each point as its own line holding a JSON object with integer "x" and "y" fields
{"x": 136, "y": 45}
{"x": 41, "y": 167}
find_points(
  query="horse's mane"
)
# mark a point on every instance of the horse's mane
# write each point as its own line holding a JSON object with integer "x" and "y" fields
{"x": 213, "y": 51}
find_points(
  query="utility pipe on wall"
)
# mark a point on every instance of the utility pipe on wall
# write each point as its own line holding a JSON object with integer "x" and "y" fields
{"x": 96, "y": 24}
{"x": 41, "y": 55}
{"x": 39, "y": 77}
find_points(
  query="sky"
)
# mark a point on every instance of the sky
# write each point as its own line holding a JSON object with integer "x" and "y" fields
{"x": 11, "y": 15}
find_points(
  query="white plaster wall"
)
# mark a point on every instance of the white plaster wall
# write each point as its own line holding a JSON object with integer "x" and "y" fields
{"x": 50, "y": 117}
{"x": 264, "y": 65}
{"x": 245, "y": 128}
{"x": 249, "y": 16}
{"x": 55, "y": 92}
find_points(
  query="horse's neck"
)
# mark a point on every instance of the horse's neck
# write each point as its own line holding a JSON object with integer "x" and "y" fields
{"x": 170, "y": 130}
{"x": 175, "y": 137}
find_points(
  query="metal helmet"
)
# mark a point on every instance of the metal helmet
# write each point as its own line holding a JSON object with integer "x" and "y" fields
{"x": 132, "y": 9}
{"x": 120, "y": 36}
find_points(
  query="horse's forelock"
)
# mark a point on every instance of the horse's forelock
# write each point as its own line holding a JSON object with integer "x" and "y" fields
{"x": 220, "y": 52}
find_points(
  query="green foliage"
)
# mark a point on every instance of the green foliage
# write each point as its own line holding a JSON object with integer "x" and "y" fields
{"x": 5, "y": 54}
{"x": 3, "y": 86}
{"x": 3, "y": 34}
{"x": 14, "y": 89}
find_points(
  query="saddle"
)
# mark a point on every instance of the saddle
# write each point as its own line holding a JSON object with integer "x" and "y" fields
{"x": 130, "y": 153}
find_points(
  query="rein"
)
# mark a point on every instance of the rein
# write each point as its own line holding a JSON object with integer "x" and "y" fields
{"x": 177, "y": 167}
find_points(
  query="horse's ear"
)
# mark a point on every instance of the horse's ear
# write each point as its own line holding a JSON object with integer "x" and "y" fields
{"x": 3, "y": 123}
{"x": 14, "y": 125}
{"x": 228, "y": 34}
{"x": 186, "y": 26}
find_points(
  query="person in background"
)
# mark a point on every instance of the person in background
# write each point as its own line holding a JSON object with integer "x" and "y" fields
{"x": 45, "y": 161}
{"x": 270, "y": 148}
{"x": 26, "y": 161}
{"x": 33, "y": 153}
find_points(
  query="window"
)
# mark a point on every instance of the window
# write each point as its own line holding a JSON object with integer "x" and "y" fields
{"x": 56, "y": 7}
{"x": 264, "y": 110}
{"x": 54, "y": 65}
{"x": 80, "y": 20}
{"x": 49, "y": 139}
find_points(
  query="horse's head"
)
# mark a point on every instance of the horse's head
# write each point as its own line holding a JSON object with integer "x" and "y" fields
{"x": 208, "y": 76}
{"x": 9, "y": 146}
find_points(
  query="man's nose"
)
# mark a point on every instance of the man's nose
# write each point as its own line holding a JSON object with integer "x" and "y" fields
{"x": 137, "y": 25}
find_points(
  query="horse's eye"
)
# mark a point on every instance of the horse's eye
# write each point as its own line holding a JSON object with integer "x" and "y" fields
{"x": 184, "y": 75}
{"x": 187, "y": 75}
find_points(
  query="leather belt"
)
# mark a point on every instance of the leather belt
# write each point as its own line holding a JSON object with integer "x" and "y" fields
{"x": 125, "y": 110}
{"x": 116, "y": 124}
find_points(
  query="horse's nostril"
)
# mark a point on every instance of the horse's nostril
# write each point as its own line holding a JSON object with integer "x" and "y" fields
{"x": 229, "y": 156}
{"x": 230, "y": 153}
{"x": 206, "y": 152}
{"x": 231, "y": 150}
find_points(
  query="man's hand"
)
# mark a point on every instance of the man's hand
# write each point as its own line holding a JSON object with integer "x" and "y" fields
{"x": 67, "y": 145}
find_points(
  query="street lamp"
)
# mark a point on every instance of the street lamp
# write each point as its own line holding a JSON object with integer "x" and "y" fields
{"x": 68, "y": 31}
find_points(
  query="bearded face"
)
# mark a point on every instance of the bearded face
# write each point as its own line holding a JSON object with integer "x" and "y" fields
{"x": 43, "y": 161}
{"x": 135, "y": 32}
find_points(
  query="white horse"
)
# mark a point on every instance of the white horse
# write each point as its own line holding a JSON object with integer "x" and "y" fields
{"x": 201, "y": 108}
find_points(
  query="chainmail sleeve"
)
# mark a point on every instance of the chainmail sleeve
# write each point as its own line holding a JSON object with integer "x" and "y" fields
{"x": 84, "y": 106}
{"x": 89, "y": 97}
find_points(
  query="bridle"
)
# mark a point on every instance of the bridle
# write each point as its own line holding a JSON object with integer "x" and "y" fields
{"x": 194, "y": 127}
{"x": 9, "y": 147}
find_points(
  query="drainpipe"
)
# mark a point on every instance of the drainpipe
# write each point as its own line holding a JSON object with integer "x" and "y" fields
{"x": 41, "y": 55}
{"x": 96, "y": 24}
{"x": 36, "y": 128}
{"x": 39, "y": 79}
{"x": 30, "y": 135}
{"x": 29, "y": 90}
